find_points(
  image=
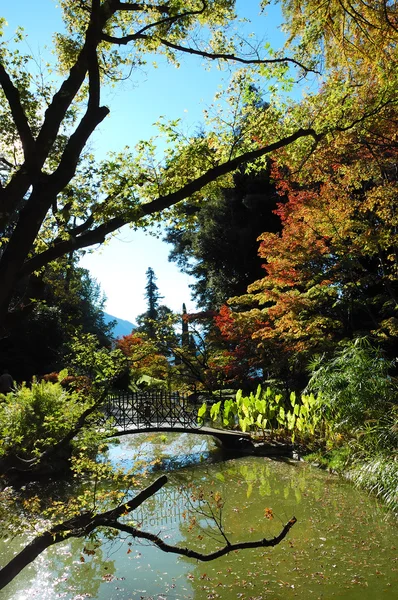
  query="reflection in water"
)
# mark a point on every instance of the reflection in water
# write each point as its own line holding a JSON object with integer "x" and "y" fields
{"x": 343, "y": 545}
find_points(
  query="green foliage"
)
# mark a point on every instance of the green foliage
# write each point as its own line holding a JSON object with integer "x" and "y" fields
{"x": 36, "y": 417}
{"x": 145, "y": 360}
{"x": 146, "y": 321}
{"x": 356, "y": 384}
{"x": 361, "y": 405}
{"x": 92, "y": 199}
{"x": 269, "y": 412}
{"x": 64, "y": 302}
{"x": 100, "y": 364}
{"x": 379, "y": 475}
{"x": 217, "y": 244}
{"x": 83, "y": 201}
{"x": 146, "y": 381}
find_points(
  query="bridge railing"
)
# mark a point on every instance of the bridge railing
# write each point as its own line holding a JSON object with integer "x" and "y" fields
{"x": 141, "y": 410}
{"x": 168, "y": 506}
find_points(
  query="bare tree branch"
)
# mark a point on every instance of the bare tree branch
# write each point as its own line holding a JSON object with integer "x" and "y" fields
{"x": 84, "y": 524}
{"x": 264, "y": 543}
{"x": 75, "y": 527}
{"x": 234, "y": 58}
{"x": 210, "y": 55}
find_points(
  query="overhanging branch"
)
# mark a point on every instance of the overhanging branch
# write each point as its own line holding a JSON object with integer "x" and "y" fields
{"x": 85, "y": 523}
{"x": 233, "y": 57}
{"x": 140, "y": 33}
{"x": 98, "y": 235}
{"x": 75, "y": 527}
{"x": 227, "y": 549}
{"x": 135, "y": 7}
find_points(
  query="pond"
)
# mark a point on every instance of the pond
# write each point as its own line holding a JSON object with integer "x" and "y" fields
{"x": 343, "y": 546}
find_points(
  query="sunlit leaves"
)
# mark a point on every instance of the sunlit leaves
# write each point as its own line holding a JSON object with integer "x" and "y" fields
{"x": 34, "y": 418}
{"x": 341, "y": 32}
{"x": 143, "y": 357}
{"x": 333, "y": 270}
{"x": 99, "y": 363}
{"x": 148, "y": 28}
{"x": 268, "y": 412}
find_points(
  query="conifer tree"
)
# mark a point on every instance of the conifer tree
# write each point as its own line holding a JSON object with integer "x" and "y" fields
{"x": 146, "y": 321}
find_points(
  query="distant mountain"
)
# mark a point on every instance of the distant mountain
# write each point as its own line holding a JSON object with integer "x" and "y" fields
{"x": 121, "y": 328}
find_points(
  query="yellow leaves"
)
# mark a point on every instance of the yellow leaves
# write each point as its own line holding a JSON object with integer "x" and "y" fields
{"x": 218, "y": 500}
{"x": 192, "y": 523}
{"x": 217, "y": 497}
{"x": 348, "y": 32}
{"x": 388, "y": 327}
{"x": 33, "y": 504}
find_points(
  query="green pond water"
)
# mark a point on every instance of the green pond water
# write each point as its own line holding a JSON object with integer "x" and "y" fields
{"x": 343, "y": 546}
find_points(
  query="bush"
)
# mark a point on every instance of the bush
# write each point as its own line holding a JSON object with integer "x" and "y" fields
{"x": 356, "y": 384}
{"x": 33, "y": 418}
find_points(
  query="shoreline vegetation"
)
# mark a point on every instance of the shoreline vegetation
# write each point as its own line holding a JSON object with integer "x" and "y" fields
{"x": 346, "y": 420}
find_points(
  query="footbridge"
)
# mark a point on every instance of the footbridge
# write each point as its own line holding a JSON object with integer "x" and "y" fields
{"x": 142, "y": 412}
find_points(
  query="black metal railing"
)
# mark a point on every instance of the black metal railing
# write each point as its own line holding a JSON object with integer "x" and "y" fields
{"x": 143, "y": 410}
{"x": 168, "y": 506}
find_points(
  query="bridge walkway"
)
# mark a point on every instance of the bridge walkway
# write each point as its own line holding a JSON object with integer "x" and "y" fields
{"x": 143, "y": 412}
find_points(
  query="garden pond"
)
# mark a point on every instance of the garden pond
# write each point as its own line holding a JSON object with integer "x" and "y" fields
{"x": 343, "y": 546}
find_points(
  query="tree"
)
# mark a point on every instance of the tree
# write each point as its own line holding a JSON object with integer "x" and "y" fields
{"x": 220, "y": 249}
{"x": 338, "y": 32}
{"x": 66, "y": 301}
{"x": 44, "y": 425}
{"x": 50, "y": 199}
{"x": 144, "y": 356}
{"x": 152, "y": 294}
{"x": 332, "y": 272}
{"x": 146, "y": 321}
{"x": 55, "y": 198}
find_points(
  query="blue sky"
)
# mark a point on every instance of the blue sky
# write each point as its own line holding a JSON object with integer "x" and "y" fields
{"x": 135, "y": 105}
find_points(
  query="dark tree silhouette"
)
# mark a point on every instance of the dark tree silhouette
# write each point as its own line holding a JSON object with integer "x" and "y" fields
{"x": 87, "y": 522}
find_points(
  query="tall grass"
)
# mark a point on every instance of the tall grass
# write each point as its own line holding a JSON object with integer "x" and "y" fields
{"x": 361, "y": 397}
{"x": 378, "y": 475}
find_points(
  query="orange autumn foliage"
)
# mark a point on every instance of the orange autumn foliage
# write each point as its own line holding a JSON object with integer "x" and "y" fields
{"x": 333, "y": 271}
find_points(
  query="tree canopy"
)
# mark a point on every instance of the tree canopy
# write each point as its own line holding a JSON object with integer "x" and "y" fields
{"x": 220, "y": 249}
{"x": 64, "y": 301}
{"x": 331, "y": 274}
{"x": 55, "y": 198}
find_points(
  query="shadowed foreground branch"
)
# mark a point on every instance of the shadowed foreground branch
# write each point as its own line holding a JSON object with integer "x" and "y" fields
{"x": 84, "y": 524}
